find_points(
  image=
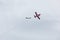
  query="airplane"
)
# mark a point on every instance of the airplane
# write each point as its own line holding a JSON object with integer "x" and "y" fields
{"x": 37, "y": 15}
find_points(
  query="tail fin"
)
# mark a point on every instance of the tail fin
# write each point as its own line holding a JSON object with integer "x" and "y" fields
{"x": 34, "y": 16}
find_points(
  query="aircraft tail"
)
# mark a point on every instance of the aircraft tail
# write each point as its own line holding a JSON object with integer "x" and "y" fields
{"x": 34, "y": 16}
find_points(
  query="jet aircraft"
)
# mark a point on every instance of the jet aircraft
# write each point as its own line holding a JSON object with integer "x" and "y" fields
{"x": 37, "y": 15}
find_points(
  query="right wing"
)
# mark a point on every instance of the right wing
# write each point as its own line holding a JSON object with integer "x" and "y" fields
{"x": 39, "y": 18}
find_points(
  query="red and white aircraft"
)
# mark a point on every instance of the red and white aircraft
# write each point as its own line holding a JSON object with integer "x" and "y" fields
{"x": 37, "y": 15}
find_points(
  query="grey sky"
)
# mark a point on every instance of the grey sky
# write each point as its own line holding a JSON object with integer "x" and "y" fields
{"x": 14, "y": 26}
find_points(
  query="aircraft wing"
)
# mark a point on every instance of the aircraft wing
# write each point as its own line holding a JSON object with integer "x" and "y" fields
{"x": 36, "y": 13}
{"x": 39, "y": 18}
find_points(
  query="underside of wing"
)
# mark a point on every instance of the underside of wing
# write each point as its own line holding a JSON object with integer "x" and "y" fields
{"x": 39, "y": 18}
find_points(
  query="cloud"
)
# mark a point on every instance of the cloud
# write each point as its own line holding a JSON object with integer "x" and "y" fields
{"x": 14, "y": 26}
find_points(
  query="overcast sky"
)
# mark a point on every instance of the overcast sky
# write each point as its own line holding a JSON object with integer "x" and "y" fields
{"x": 14, "y": 26}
